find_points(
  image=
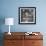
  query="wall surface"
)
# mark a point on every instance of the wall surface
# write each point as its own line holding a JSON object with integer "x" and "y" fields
{"x": 9, "y": 8}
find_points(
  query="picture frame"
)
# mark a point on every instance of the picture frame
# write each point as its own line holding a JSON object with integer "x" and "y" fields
{"x": 27, "y": 15}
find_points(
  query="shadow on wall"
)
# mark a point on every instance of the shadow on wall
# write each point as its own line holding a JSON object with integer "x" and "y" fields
{"x": 2, "y": 21}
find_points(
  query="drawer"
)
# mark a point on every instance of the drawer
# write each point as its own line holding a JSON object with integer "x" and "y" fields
{"x": 9, "y": 43}
{"x": 33, "y": 43}
{"x": 37, "y": 43}
{"x": 16, "y": 37}
{"x": 33, "y": 37}
{"x": 13, "y": 43}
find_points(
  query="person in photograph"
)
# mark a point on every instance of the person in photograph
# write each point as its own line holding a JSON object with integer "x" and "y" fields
{"x": 27, "y": 16}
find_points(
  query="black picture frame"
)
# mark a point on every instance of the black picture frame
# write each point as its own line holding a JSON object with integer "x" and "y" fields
{"x": 27, "y": 15}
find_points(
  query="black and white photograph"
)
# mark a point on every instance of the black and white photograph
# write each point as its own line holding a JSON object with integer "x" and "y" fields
{"x": 27, "y": 15}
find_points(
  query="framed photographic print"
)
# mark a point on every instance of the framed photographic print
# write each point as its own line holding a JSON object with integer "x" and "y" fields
{"x": 27, "y": 15}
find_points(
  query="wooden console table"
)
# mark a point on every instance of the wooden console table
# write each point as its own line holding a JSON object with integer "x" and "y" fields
{"x": 20, "y": 39}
